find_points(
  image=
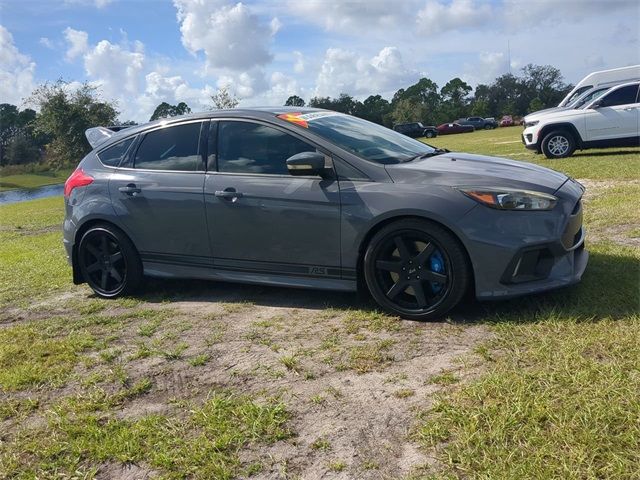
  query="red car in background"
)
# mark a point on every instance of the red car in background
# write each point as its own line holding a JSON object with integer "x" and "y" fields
{"x": 449, "y": 128}
{"x": 506, "y": 121}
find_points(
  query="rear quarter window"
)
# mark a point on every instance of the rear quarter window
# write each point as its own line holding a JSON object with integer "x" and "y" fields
{"x": 112, "y": 156}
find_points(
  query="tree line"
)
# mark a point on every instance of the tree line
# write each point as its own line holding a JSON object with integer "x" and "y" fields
{"x": 55, "y": 135}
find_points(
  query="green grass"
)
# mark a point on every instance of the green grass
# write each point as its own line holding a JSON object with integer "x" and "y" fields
{"x": 619, "y": 163}
{"x": 32, "y": 258}
{"x": 203, "y": 443}
{"x": 559, "y": 394}
{"x": 33, "y": 180}
{"x": 31, "y": 355}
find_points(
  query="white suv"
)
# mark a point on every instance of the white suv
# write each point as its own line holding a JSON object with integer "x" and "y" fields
{"x": 611, "y": 120}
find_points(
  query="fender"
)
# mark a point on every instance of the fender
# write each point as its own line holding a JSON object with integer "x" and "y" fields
{"x": 560, "y": 126}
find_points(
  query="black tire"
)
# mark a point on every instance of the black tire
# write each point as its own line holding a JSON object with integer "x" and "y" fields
{"x": 109, "y": 262}
{"x": 429, "y": 250}
{"x": 429, "y": 134}
{"x": 487, "y": 127}
{"x": 558, "y": 144}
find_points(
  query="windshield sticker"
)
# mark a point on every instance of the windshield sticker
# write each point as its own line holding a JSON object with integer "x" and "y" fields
{"x": 302, "y": 119}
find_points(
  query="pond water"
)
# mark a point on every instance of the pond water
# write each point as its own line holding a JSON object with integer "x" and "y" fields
{"x": 22, "y": 195}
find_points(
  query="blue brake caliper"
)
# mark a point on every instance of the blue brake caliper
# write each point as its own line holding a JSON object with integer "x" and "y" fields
{"x": 436, "y": 264}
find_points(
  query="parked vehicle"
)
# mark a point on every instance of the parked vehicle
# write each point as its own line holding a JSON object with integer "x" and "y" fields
{"x": 506, "y": 121}
{"x": 610, "y": 120}
{"x": 317, "y": 199}
{"x": 578, "y": 103}
{"x": 416, "y": 129}
{"x": 479, "y": 123}
{"x": 594, "y": 81}
{"x": 450, "y": 128}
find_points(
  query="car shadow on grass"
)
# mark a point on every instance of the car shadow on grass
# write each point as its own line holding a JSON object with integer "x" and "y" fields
{"x": 609, "y": 289}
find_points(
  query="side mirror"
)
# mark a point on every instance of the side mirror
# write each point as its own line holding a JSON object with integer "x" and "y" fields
{"x": 307, "y": 163}
{"x": 596, "y": 105}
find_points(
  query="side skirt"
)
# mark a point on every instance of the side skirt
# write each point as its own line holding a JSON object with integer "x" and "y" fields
{"x": 259, "y": 273}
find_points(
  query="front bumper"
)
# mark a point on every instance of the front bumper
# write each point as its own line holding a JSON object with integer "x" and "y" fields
{"x": 517, "y": 253}
{"x": 529, "y": 138}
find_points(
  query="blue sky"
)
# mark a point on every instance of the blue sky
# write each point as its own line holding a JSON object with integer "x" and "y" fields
{"x": 143, "y": 52}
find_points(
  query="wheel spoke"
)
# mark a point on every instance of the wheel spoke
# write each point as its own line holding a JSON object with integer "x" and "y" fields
{"x": 396, "y": 289}
{"x": 402, "y": 248}
{"x": 115, "y": 257}
{"x": 94, "y": 267}
{"x": 435, "y": 277}
{"x": 93, "y": 250}
{"x": 424, "y": 255}
{"x": 114, "y": 273}
{"x": 103, "y": 280}
{"x": 103, "y": 245}
{"x": 389, "y": 266}
{"x": 419, "y": 292}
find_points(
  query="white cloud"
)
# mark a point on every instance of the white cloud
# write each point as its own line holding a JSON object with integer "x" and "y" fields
{"x": 437, "y": 17}
{"x": 78, "y": 42}
{"x": 16, "y": 71}
{"x": 117, "y": 68}
{"x": 344, "y": 71}
{"x": 361, "y": 16}
{"x": 299, "y": 65}
{"x": 230, "y": 36}
{"x": 46, "y": 42}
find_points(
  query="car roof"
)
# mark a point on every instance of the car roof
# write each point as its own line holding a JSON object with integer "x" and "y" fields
{"x": 252, "y": 112}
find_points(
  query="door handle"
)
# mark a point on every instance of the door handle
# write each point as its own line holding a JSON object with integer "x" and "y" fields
{"x": 130, "y": 189}
{"x": 228, "y": 194}
{"x": 628, "y": 109}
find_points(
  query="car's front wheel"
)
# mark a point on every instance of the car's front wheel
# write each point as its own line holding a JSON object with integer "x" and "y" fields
{"x": 558, "y": 144}
{"x": 416, "y": 269}
{"x": 108, "y": 261}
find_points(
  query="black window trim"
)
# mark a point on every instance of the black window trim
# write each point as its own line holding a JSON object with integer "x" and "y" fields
{"x": 132, "y": 153}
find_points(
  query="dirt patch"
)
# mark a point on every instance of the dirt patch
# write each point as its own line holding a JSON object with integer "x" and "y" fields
{"x": 351, "y": 378}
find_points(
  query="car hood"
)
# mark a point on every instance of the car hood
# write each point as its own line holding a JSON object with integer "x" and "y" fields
{"x": 458, "y": 169}
{"x": 540, "y": 113}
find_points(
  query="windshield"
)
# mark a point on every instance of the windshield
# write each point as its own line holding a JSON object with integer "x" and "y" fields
{"x": 575, "y": 95}
{"x": 365, "y": 139}
{"x": 582, "y": 101}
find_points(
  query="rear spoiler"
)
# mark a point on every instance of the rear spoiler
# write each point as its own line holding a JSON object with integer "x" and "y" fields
{"x": 98, "y": 135}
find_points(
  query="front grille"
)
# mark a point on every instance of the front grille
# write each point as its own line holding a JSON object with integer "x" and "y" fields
{"x": 573, "y": 230}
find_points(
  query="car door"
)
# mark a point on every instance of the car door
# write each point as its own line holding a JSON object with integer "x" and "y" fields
{"x": 158, "y": 195}
{"x": 260, "y": 217}
{"x": 615, "y": 115}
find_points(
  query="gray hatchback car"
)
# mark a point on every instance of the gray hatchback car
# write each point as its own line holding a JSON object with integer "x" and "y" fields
{"x": 317, "y": 199}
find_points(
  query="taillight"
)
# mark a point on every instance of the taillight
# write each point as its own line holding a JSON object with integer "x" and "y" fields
{"x": 77, "y": 179}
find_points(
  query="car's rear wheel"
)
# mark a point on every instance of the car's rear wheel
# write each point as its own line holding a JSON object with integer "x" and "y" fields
{"x": 558, "y": 144}
{"x": 429, "y": 134}
{"x": 109, "y": 262}
{"x": 416, "y": 269}
{"x": 487, "y": 127}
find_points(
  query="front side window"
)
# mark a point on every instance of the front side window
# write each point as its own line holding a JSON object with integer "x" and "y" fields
{"x": 245, "y": 147}
{"x": 113, "y": 155}
{"x": 621, "y": 96}
{"x": 171, "y": 148}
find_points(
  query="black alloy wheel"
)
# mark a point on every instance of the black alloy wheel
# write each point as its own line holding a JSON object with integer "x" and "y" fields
{"x": 416, "y": 269}
{"x": 108, "y": 262}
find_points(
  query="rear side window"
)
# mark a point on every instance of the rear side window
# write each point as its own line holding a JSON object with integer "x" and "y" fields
{"x": 621, "y": 96}
{"x": 113, "y": 155}
{"x": 171, "y": 148}
{"x": 245, "y": 147}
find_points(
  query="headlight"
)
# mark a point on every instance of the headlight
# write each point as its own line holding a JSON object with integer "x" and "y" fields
{"x": 532, "y": 123}
{"x": 505, "y": 199}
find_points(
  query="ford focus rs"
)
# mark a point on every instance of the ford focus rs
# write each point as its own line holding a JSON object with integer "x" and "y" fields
{"x": 317, "y": 199}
